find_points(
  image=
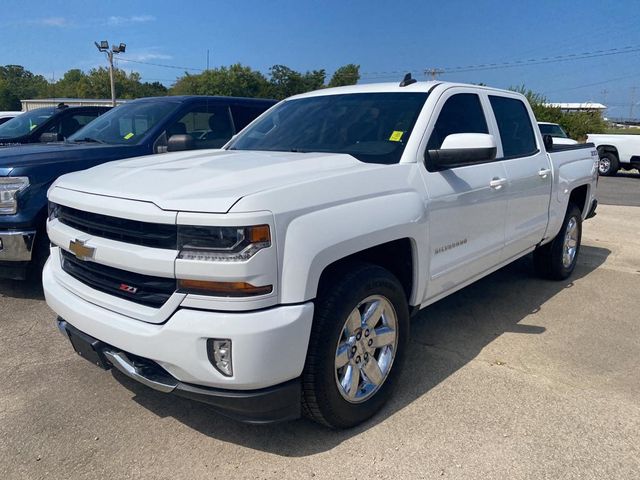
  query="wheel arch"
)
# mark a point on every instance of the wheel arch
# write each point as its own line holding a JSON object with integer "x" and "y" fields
{"x": 389, "y": 231}
{"x": 608, "y": 149}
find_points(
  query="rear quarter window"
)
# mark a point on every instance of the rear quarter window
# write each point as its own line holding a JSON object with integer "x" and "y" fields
{"x": 514, "y": 125}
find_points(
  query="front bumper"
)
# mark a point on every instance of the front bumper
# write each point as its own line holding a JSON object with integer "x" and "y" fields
{"x": 269, "y": 346}
{"x": 16, "y": 246}
{"x": 266, "y": 405}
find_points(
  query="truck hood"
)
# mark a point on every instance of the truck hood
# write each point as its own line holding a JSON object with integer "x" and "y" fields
{"x": 37, "y": 154}
{"x": 209, "y": 181}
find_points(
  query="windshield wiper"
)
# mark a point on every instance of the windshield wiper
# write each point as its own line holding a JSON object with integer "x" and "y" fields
{"x": 89, "y": 140}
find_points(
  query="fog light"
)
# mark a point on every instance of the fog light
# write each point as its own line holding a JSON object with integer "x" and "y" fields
{"x": 219, "y": 352}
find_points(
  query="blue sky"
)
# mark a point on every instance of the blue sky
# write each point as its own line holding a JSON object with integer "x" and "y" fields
{"x": 385, "y": 38}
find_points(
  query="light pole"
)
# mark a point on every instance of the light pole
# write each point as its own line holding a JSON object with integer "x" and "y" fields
{"x": 103, "y": 46}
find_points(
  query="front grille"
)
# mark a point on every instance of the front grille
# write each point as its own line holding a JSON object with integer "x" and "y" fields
{"x": 155, "y": 235}
{"x": 143, "y": 289}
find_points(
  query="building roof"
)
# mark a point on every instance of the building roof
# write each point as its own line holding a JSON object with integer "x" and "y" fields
{"x": 578, "y": 106}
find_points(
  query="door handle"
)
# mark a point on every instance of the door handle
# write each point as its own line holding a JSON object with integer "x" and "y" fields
{"x": 544, "y": 172}
{"x": 497, "y": 183}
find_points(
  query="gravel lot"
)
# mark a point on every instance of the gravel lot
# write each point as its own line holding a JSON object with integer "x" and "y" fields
{"x": 512, "y": 377}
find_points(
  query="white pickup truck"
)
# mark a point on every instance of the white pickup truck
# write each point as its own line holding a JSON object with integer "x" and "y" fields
{"x": 277, "y": 276}
{"x": 616, "y": 152}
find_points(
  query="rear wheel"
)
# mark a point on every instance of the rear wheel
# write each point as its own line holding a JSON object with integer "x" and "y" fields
{"x": 357, "y": 344}
{"x": 557, "y": 260}
{"x": 608, "y": 164}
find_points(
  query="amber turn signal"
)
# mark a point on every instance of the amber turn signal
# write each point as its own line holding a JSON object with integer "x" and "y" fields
{"x": 222, "y": 289}
{"x": 259, "y": 234}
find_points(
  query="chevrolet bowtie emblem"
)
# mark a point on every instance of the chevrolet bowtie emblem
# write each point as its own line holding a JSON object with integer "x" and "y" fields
{"x": 80, "y": 250}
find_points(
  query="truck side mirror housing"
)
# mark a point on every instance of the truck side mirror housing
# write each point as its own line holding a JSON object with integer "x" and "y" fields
{"x": 177, "y": 143}
{"x": 548, "y": 142}
{"x": 460, "y": 149}
{"x": 51, "y": 137}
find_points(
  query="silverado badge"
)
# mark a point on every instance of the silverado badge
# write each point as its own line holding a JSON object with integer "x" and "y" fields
{"x": 80, "y": 250}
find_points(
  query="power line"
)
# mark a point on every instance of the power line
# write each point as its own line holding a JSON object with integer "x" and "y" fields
{"x": 591, "y": 84}
{"x": 544, "y": 60}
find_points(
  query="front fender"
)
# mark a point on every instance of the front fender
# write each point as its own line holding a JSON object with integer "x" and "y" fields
{"x": 317, "y": 239}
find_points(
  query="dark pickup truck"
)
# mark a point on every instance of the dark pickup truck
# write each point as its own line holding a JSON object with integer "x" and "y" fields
{"x": 140, "y": 127}
{"x": 48, "y": 124}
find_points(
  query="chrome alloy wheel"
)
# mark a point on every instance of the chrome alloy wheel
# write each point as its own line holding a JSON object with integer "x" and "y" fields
{"x": 604, "y": 165}
{"x": 366, "y": 349}
{"x": 570, "y": 245}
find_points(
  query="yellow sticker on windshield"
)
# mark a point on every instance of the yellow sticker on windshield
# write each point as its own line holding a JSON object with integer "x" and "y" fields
{"x": 128, "y": 136}
{"x": 396, "y": 136}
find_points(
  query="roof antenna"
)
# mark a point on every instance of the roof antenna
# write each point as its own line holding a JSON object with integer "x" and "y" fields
{"x": 407, "y": 80}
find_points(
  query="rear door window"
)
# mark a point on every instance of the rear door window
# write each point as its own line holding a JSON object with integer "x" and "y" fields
{"x": 514, "y": 125}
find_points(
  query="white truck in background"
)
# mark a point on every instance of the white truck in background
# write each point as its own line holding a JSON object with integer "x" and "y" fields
{"x": 277, "y": 276}
{"x": 616, "y": 152}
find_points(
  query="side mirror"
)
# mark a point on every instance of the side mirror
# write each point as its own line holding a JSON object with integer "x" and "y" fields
{"x": 459, "y": 149}
{"x": 51, "y": 137}
{"x": 548, "y": 142}
{"x": 177, "y": 143}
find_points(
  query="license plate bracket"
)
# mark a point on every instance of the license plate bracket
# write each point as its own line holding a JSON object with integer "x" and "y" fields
{"x": 88, "y": 348}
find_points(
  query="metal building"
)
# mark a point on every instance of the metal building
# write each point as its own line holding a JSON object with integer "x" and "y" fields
{"x": 72, "y": 102}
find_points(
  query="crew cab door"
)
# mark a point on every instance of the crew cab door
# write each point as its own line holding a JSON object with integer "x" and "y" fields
{"x": 529, "y": 172}
{"x": 466, "y": 204}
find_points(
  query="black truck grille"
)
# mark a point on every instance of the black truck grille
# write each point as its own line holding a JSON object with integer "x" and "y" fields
{"x": 143, "y": 289}
{"x": 154, "y": 235}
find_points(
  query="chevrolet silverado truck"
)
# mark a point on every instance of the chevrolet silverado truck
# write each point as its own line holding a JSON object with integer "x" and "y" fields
{"x": 139, "y": 127}
{"x": 277, "y": 276}
{"x": 47, "y": 124}
{"x": 616, "y": 152}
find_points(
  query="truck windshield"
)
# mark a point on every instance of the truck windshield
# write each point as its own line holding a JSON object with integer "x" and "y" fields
{"x": 24, "y": 123}
{"x": 553, "y": 130}
{"x": 125, "y": 124}
{"x": 372, "y": 127}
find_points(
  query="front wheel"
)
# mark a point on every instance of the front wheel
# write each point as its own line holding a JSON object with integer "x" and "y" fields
{"x": 359, "y": 335}
{"x": 557, "y": 260}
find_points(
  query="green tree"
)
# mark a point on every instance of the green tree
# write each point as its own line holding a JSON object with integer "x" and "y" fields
{"x": 17, "y": 83}
{"x": 576, "y": 124}
{"x": 346, "y": 75}
{"x": 236, "y": 80}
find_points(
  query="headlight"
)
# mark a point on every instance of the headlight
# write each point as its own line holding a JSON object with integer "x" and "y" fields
{"x": 222, "y": 244}
{"x": 9, "y": 188}
{"x": 54, "y": 210}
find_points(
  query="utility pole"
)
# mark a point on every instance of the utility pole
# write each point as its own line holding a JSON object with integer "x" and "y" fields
{"x": 633, "y": 100}
{"x": 207, "y": 59}
{"x": 433, "y": 72}
{"x": 103, "y": 46}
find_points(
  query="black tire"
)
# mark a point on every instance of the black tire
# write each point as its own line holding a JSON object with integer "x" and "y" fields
{"x": 608, "y": 164}
{"x": 548, "y": 259}
{"x": 337, "y": 298}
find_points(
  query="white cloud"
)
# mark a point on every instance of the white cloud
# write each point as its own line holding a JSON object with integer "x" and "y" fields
{"x": 51, "y": 22}
{"x": 147, "y": 53}
{"x": 116, "y": 21}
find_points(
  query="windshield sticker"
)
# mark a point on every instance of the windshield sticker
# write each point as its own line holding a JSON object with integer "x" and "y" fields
{"x": 396, "y": 136}
{"x": 128, "y": 136}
